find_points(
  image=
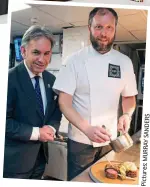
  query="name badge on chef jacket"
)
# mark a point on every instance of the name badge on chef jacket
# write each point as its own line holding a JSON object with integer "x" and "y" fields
{"x": 114, "y": 71}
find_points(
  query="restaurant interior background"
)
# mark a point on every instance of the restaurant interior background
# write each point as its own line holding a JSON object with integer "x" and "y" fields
{"x": 69, "y": 26}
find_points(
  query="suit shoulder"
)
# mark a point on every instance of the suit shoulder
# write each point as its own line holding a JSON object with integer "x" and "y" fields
{"x": 12, "y": 72}
{"x": 12, "y": 77}
{"x": 50, "y": 75}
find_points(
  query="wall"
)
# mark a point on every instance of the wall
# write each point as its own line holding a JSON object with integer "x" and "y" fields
{"x": 125, "y": 49}
{"x": 74, "y": 39}
{"x": 56, "y": 62}
{"x": 135, "y": 60}
{"x": 3, "y": 19}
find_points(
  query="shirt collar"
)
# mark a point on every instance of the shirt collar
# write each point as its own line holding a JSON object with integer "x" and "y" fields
{"x": 31, "y": 75}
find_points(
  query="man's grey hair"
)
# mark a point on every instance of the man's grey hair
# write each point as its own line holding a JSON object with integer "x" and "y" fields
{"x": 35, "y": 32}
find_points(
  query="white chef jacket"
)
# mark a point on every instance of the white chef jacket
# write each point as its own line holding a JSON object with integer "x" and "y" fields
{"x": 96, "y": 82}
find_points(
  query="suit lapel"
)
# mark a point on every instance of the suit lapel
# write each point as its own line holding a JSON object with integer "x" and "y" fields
{"x": 27, "y": 87}
{"x": 25, "y": 82}
{"x": 48, "y": 87}
{"x": 48, "y": 90}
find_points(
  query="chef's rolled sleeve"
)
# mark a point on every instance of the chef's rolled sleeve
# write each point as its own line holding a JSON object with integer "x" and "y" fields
{"x": 130, "y": 88}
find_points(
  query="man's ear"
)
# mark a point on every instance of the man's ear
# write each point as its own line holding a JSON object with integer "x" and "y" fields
{"x": 89, "y": 27}
{"x": 23, "y": 52}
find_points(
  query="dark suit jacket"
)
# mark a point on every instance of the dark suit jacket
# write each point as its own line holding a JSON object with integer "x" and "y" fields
{"x": 22, "y": 115}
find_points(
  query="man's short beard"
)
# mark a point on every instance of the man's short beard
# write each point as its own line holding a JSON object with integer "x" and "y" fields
{"x": 101, "y": 48}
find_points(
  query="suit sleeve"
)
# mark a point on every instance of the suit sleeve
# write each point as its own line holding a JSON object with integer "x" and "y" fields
{"x": 56, "y": 115}
{"x": 15, "y": 129}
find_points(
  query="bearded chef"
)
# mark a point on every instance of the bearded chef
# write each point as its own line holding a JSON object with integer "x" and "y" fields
{"x": 89, "y": 89}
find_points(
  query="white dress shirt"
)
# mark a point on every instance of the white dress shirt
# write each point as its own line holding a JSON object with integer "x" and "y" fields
{"x": 35, "y": 133}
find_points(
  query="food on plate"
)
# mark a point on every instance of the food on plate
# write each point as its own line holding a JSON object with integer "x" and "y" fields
{"x": 121, "y": 170}
{"x": 130, "y": 169}
{"x": 111, "y": 171}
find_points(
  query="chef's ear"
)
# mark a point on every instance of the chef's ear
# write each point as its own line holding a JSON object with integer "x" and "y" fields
{"x": 89, "y": 27}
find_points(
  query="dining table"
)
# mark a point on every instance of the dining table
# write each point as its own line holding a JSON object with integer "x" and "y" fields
{"x": 131, "y": 154}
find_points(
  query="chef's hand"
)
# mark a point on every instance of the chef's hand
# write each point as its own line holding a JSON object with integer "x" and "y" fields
{"x": 97, "y": 134}
{"x": 124, "y": 123}
{"x": 46, "y": 134}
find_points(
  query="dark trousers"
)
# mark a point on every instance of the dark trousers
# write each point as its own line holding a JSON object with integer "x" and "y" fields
{"x": 80, "y": 157}
{"x": 36, "y": 172}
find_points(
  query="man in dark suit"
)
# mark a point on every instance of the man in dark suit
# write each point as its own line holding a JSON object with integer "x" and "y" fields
{"x": 33, "y": 116}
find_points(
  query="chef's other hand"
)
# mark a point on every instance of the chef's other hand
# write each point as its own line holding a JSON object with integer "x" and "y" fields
{"x": 124, "y": 123}
{"x": 97, "y": 134}
{"x": 46, "y": 133}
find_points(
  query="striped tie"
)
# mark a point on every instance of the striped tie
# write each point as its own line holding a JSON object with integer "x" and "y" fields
{"x": 38, "y": 95}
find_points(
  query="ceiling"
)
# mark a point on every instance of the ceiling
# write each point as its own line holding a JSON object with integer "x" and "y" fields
{"x": 131, "y": 26}
{"x": 121, "y": 2}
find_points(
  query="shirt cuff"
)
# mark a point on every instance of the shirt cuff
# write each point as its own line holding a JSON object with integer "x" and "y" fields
{"x": 35, "y": 134}
{"x": 53, "y": 130}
